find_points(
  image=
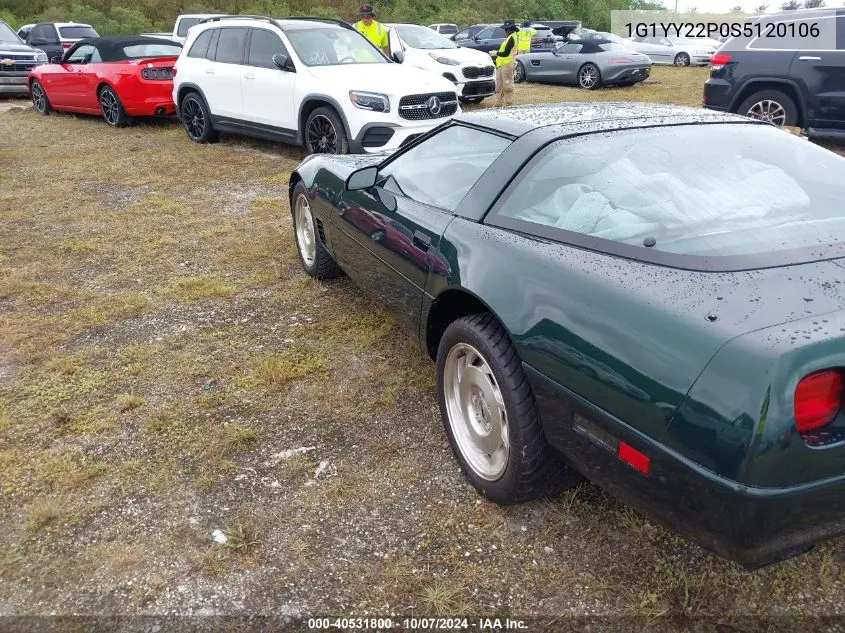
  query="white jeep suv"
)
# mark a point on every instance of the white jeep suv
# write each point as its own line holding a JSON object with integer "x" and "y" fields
{"x": 312, "y": 82}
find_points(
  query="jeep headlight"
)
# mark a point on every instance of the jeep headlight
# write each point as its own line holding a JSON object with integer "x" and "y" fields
{"x": 41, "y": 57}
{"x": 444, "y": 60}
{"x": 369, "y": 101}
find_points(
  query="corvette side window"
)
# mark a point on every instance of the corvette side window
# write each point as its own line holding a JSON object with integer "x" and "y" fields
{"x": 441, "y": 171}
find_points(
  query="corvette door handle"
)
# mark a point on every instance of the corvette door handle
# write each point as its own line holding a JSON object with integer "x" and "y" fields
{"x": 421, "y": 240}
{"x": 810, "y": 58}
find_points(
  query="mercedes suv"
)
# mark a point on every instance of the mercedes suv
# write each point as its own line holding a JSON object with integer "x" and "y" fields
{"x": 16, "y": 60}
{"x": 305, "y": 81}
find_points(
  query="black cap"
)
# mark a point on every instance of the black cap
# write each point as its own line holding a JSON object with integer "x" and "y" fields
{"x": 510, "y": 25}
{"x": 526, "y": 24}
{"x": 366, "y": 9}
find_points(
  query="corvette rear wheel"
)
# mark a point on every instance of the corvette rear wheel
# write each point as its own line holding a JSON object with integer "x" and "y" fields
{"x": 490, "y": 416}
{"x": 313, "y": 255}
{"x": 39, "y": 98}
{"x": 112, "y": 108}
{"x": 197, "y": 119}
{"x": 589, "y": 77}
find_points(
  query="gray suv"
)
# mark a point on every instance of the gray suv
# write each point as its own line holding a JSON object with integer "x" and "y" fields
{"x": 16, "y": 60}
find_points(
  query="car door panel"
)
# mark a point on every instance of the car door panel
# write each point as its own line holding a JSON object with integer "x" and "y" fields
{"x": 223, "y": 74}
{"x": 388, "y": 244}
{"x": 267, "y": 90}
{"x": 822, "y": 76}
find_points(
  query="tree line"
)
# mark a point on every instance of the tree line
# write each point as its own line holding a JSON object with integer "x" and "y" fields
{"x": 114, "y": 17}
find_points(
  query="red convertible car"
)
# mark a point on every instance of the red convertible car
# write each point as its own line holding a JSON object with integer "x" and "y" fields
{"x": 118, "y": 77}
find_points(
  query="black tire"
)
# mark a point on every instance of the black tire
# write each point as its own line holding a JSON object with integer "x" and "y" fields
{"x": 196, "y": 117}
{"x": 325, "y": 133}
{"x": 682, "y": 59}
{"x": 591, "y": 71}
{"x": 39, "y": 98}
{"x": 321, "y": 265}
{"x": 112, "y": 108}
{"x": 777, "y": 103}
{"x": 519, "y": 73}
{"x": 533, "y": 469}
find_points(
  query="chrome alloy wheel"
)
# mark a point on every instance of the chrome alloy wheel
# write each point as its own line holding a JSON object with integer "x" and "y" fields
{"x": 588, "y": 76}
{"x": 476, "y": 411}
{"x": 768, "y": 110}
{"x": 305, "y": 237}
{"x": 111, "y": 109}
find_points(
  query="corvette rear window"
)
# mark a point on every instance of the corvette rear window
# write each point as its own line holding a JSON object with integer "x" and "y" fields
{"x": 703, "y": 190}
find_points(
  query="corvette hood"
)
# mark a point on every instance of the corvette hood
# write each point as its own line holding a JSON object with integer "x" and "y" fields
{"x": 395, "y": 80}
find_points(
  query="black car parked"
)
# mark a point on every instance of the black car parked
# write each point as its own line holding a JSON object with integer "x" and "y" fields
{"x": 54, "y": 38}
{"x": 775, "y": 80}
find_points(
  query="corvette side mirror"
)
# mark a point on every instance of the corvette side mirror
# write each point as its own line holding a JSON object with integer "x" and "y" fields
{"x": 362, "y": 179}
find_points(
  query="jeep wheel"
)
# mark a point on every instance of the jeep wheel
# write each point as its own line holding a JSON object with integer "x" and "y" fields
{"x": 772, "y": 106}
{"x": 325, "y": 134}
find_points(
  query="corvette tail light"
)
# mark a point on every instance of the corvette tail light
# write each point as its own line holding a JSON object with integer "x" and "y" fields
{"x": 818, "y": 398}
{"x": 719, "y": 60}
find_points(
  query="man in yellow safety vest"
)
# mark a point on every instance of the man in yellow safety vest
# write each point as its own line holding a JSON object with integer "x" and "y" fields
{"x": 372, "y": 30}
{"x": 525, "y": 35}
{"x": 505, "y": 65}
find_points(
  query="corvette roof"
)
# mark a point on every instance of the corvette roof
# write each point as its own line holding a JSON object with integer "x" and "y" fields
{"x": 520, "y": 120}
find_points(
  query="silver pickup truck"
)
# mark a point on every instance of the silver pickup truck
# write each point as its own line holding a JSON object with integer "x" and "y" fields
{"x": 16, "y": 60}
{"x": 180, "y": 28}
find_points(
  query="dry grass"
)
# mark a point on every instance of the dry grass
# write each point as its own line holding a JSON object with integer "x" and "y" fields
{"x": 167, "y": 369}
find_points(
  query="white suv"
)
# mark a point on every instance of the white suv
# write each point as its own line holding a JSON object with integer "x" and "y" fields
{"x": 312, "y": 82}
{"x": 472, "y": 72}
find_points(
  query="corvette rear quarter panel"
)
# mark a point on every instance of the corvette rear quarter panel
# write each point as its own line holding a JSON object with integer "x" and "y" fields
{"x": 633, "y": 339}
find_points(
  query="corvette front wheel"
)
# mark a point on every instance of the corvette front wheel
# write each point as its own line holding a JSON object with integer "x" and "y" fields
{"x": 315, "y": 258}
{"x": 490, "y": 416}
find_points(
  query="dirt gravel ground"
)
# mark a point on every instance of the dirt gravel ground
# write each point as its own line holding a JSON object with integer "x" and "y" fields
{"x": 167, "y": 370}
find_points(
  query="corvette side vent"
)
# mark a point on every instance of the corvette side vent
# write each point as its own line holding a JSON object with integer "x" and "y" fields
{"x": 320, "y": 231}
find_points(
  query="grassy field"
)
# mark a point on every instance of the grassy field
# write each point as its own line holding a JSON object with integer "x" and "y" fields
{"x": 166, "y": 369}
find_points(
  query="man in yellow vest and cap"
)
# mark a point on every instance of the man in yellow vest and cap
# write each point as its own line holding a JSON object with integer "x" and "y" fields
{"x": 372, "y": 30}
{"x": 505, "y": 65}
{"x": 526, "y": 32}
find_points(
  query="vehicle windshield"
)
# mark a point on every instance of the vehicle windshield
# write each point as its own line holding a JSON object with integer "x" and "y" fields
{"x": 743, "y": 190}
{"x": 76, "y": 32}
{"x": 424, "y": 38}
{"x": 7, "y": 35}
{"x": 185, "y": 24}
{"x": 141, "y": 51}
{"x": 331, "y": 46}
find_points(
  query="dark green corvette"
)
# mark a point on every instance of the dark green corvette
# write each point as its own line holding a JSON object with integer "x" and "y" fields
{"x": 648, "y": 296}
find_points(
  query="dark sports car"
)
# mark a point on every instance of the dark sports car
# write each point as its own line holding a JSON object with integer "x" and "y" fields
{"x": 588, "y": 64}
{"x": 650, "y": 296}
